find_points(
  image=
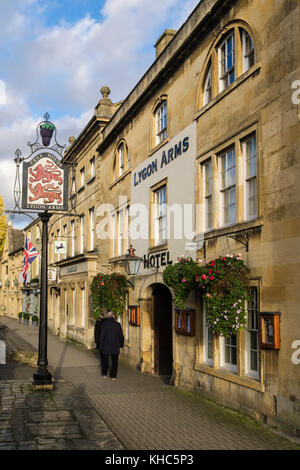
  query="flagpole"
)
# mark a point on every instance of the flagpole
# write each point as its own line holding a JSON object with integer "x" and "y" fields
{"x": 43, "y": 378}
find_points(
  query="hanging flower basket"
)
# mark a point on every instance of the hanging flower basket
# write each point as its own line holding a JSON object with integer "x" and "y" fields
{"x": 225, "y": 287}
{"x": 223, "y": 284}
{"x": 108, "y": 292}
{"x": 46, "y": 132}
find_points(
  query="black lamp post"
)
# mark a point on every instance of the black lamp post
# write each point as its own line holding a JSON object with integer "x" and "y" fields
{"x": 43, "y": 377}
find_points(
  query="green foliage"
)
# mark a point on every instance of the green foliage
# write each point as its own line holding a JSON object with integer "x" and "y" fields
{"x": 108, "y": 291}
{"x": 181, "y": 277}
{"x": 26, "y": 316}
{"x": 225, "y": 287}
{"x": 20, "y": 314}
{"x": 3, "y": 225}
{"x": 34, "y": 318}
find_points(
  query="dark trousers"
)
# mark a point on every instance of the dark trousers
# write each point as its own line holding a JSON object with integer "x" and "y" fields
{"x": 101, "y": 361}
{"x": 114, "y": 365}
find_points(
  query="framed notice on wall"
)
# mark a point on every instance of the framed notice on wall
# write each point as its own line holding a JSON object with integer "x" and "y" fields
{"x": 270, "y": 330}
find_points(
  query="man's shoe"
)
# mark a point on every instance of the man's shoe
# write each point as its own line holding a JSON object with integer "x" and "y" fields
{"x": 104, "y": 376}
{"x": 113, "y": 378}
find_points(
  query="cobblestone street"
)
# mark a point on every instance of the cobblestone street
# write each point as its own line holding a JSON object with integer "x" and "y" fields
{"x": 136, "y": 412}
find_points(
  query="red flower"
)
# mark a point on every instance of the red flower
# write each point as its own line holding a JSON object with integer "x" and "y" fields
{"x": 203, "y": 276}
{"x": 211, "y": 278}
{"x": 210, "y": 271}
{"x": 212, "y": 263}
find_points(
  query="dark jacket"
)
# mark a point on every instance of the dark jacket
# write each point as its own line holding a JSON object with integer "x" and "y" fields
{"x": 97, "y": 331}
{"x": 111, "y": 337}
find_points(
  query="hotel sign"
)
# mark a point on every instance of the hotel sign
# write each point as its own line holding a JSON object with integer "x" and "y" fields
{"x": 156, "y": 260}
{"x": 45, "y": 183}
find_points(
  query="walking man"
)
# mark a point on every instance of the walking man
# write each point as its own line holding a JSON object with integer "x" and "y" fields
{"x": 111, "y": 340}
{"x": 98, "y": 325}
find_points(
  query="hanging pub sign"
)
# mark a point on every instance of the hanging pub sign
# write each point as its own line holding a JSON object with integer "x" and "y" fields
{"x": 45, "y": 183}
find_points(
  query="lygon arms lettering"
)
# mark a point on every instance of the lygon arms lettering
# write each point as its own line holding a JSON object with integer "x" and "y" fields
{"x": 166, "y": 157}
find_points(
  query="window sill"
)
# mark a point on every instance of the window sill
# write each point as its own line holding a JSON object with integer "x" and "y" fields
{"x": 91, "y": 180}
{"x": 231, "y": 377}
{"x": 126, "y": 173}
{"x": 255, "y": 223}
{"x": 158, "y": 146}
{"x": 252, "y": 71}
{"x": 162, "y": 247}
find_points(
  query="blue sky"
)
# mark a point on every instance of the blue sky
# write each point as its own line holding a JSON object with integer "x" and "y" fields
{"x": 55, "y": 55}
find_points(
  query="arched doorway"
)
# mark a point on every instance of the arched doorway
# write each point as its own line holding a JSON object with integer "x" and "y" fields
{"x": 163, "y": 346}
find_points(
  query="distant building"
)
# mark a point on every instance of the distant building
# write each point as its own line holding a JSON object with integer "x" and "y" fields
{"x": 11, "y": 265}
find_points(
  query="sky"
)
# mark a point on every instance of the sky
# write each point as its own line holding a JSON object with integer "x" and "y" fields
{"x": 55, "y": 55}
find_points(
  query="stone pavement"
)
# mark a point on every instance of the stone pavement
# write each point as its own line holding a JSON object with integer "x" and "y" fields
{"x": 136, "y": 412}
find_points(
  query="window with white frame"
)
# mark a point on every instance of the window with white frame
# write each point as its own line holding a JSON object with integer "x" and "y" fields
{"x": 73, "y": 238}
{"x": 121, "y": 158}
{"x": 161, "y": 123}
{"x": 65, "y": 238}
{"x": 113, "y": 235}
{"x": 207, "y": 193}
{"x": 92, "y": 228}
{"x": 207, "y": 340}
{"x": 252, "y": 355}
{"x": 58, "y": 239}
{"x": 160, "y": 222}
{"x": 81, "y": 222}
{"x": 73, "y": 306}
{"x": 249, "y": 150}
{"x": 228, "y": 196}
{"x": 92, "y": 167}
{"x": 232, "y": 56}
{"x": 82, "y": 307}
{"x": 248, "y": 51}
{"x": 228, "y": 356}
{"x": 226, "y": 54}
{"x": 207, "y": 89}
{"x": 120, "y": 231}
{"x": 82, "y": 177}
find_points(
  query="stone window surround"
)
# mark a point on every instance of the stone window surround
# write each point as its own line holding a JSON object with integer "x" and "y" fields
{"x": 212, "y": 61}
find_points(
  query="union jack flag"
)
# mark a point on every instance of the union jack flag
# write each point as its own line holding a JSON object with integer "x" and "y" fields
{"x": 30, "y": 253}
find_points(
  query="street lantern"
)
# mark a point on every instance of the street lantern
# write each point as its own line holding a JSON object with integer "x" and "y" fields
{"x": 132, "y": 262}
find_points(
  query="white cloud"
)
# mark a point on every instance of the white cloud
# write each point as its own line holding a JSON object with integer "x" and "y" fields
{"x": 61, "y": 69}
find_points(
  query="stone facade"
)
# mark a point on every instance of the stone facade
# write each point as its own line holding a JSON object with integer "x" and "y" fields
{"x": 242, "y": 115}
{"x": 211, "y": 130}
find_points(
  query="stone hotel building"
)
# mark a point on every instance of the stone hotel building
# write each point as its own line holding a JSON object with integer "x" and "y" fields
{"x": 201, "y": 159}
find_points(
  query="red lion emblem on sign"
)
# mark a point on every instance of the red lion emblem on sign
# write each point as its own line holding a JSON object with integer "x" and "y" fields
{"x": 49, "y": 192}
{"x": 45, "y": 176}
{"x": 46, "y": 173}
